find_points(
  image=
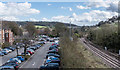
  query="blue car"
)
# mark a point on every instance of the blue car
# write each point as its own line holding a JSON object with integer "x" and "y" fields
{"x": 50, "y": 66}
{"x": 21, "y": 58}
{"x": 1, "y": 54}
{"x": 52, "y": 61}
{"x": 4, "y": 52}
{"x": 53, "y": 58}
{"x": 7, "y": 68}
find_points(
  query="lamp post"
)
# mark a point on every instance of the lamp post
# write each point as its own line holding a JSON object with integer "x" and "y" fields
{"x": 17, "y": 48}
{"x": 71, "y": 18}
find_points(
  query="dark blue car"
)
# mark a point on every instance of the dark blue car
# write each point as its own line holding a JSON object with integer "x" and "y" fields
{"x": 50, "y": 66}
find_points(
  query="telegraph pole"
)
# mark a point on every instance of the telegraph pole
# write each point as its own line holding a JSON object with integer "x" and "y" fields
{"x": 71, "y": 28}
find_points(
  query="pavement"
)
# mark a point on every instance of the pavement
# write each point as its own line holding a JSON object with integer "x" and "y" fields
{"x": 5, "y": 58}
{"x": 37, "y": 59}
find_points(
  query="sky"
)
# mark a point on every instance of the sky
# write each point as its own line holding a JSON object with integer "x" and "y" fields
{"x": 81, "y": 13}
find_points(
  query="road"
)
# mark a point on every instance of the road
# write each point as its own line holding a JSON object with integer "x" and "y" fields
{"x": 5, "y": 58}
{"x": 37, "y": 59}
{"x": 109, "y": 60}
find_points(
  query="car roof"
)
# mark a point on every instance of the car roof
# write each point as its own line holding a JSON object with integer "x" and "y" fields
{"x": 6, "y": 67}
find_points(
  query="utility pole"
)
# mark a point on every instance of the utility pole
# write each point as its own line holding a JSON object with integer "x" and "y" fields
{"x": 1, "y": 33}
{"x": 71, "y": 28}
{"x": 17, "y": 48}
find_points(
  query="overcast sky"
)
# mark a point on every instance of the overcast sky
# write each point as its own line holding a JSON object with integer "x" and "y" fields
{"x": 89, "y": 12}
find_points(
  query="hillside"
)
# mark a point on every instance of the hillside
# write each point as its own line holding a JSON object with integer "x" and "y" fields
{"x": 41, "y": 23}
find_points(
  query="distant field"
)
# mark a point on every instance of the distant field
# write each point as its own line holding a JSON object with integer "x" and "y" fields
{"x": 40, "y": 26}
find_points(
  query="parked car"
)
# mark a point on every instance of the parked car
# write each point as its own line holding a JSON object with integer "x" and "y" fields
{"x": 1, "y": 54}
{"x": 7, "y": 68}
{"x": 38, "y": 45}
{"x": 30, "y": 50}
{"x": 51, "y": 40}
{"x": 21, "y": 58}
{"x": 14, "y": 59}
{"x": 52, "y": 61}
{"x": 11, "y": 48}
{"x": 8, "y": 50}
{"x": 52, "y": 54}
{"x": 50, "y": 66}
{"x": 53, "y": 51}
{"x": 5, "y": 52}
{"x": 52, "y": 47}
{"x": 34, "y": 48}
{"x": 27, "y": 53}
{"x": 52, "y": 58}
{"x": 12, "y": 64}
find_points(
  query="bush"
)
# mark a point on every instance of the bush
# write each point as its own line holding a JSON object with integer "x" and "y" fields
{"x": 6, "y": 44}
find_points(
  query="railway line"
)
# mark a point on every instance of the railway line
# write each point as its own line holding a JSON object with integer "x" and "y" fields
{"x": 109, "y": 60}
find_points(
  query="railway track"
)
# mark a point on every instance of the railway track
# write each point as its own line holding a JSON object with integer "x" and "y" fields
{"x": 109, "y": 60}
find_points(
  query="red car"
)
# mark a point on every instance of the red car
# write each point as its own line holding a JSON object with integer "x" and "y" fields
{"x": 30, "y": 52}
{"x": 55, "y": 44}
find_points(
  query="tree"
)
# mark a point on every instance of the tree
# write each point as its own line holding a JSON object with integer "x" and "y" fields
{"x": 31, "y": 29}
{"x": 13, "y": 26}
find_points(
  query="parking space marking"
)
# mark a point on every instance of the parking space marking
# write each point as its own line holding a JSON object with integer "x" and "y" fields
{"x": 33, "y": 64}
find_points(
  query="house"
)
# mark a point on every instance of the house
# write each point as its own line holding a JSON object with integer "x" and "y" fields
{"x": 6, "y": 35}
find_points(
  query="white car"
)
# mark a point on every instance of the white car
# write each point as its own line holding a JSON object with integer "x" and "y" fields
{"x": 8, "y": 50}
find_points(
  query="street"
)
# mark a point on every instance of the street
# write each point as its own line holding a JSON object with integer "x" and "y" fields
{"x": 37, "y": 59}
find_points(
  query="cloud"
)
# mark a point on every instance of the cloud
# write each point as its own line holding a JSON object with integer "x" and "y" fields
{"x": 82, "y": 7}
{"x": 69, "y": 8}
{"x": 33, "y": 19}
{"x": 9, "y": 18}
{"x": 17, "y": 9}
{"x": 113, "y": 7}
{"x": 87, "y": 18}
{"x": 45, "y": 19}
{"x": 49, "y": 4}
